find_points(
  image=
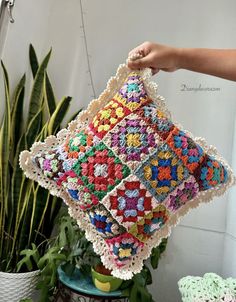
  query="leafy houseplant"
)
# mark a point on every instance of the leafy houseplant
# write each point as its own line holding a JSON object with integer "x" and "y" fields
{"x": 27, "y": 211}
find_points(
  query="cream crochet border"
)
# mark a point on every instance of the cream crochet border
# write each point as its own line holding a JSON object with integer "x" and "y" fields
{"x": 81, "y": 122}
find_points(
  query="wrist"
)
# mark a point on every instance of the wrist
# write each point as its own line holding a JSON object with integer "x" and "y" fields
{"x": 180, "y": 58}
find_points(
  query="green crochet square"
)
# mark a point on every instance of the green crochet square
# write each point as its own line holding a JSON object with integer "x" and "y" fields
{"x": 100, "y": 170}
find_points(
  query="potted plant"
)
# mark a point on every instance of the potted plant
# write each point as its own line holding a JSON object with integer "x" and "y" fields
{"x": 70, "y": 249}
{"x": 27, "y": 211}
{"x": 103, "y": 279}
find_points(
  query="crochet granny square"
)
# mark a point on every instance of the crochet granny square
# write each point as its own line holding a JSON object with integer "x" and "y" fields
{"x": 127, "y": 171}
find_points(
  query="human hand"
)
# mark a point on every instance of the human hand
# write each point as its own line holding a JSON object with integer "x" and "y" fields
{"x": 155, "y": 56}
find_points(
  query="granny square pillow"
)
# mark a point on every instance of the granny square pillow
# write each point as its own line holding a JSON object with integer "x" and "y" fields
{"x": 127, "y": 171}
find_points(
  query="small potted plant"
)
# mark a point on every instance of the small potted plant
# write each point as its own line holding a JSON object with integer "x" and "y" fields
{"x": 103, "y": 279}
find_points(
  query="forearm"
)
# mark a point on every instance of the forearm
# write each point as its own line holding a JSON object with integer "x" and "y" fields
{"x": 217, "y": 62}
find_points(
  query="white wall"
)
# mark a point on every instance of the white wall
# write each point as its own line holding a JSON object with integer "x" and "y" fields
{"x": 205, "y": 239}
{"x": 229, "y": 260}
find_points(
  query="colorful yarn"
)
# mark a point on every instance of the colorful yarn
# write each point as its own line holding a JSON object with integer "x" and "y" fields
{"x": 77, "y": 145}
{"x": 104, "y": 223}
{"x": 108, "y": 117}
{"x": 185, "y": 148}
{"x": 77, "y": 191}
{"x": 129, "y": 201}
{"x": 132, "y": 140}
{"x": 162, "y": 172}
{"x": 210, "y": 173}
{"x": 100, "y": 170}
{"x": 185, "y": 192}
{"x": 69, "y": 180}
{"x": 132, "y": 94}
{"x": 155, "y": 119}
{"x": 123, "y": 247}
{"x": 49, "y": 163}
{"x": 150, "y": 223}
{"x": 67, "y": 162}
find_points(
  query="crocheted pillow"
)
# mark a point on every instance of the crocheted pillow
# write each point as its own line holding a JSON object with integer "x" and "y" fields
{"x": 126, "y": 171}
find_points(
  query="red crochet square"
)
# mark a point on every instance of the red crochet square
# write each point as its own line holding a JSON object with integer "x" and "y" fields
{"x": 129, "y": 201}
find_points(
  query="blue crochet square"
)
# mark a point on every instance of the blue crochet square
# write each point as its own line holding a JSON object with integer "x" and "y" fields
{"x": 162, "y": 172}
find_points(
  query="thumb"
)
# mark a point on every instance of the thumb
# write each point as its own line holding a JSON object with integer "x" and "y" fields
{"x": 139, "y": 63}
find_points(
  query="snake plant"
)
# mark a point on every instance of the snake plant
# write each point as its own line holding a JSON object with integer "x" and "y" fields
{"x": 27, "y": 211}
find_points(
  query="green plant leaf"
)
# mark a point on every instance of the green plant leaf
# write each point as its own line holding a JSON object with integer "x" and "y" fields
{"x": 31, "y": 257}
{"x": 18, "y": 186}
{"x": 37, "y": 90}
{"x": 155, "y": 256}
{"x": 66, "y": 232}
{"x": 134, "y": 294}
{"x": 51, "y": 258}
{"x": 34, "y": 128}
{"x": 43, "y": 133}
{"x": 5, "y": 138}
{"x": 144, "y": 294}
{"x": 56, "y": 204}
{"x": 19, "y": 190}
{"x": 45, "y": 292}
{"x": 139, "y": 279}
{"x": 33, "y": 60}
{"x": 42, "y": 202}
{"x": 48, "y": 223}
{"x": 34, "y": 213}
{"x": 126, "y": 284}
{"x": 25, "y": 219}
{"x": 17, "y": 113}
{"x": 48, "y": 264}
{"x": 58, "y": 115}
{"x": 49, "y": 95}
{"x": 147, "y": 275}
{"x": 156, "y": 253}
{"x": 163, "y": 245}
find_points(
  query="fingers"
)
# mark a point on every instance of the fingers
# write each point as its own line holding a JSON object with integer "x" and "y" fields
{"x": 139, "y": 63}
{"x": 142, "y": 63}
{"x": 142, "y": 57}
{"x": 137, "y": 52}
{"x": 143, "y": 49}
{"x": 154, "y": 56}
